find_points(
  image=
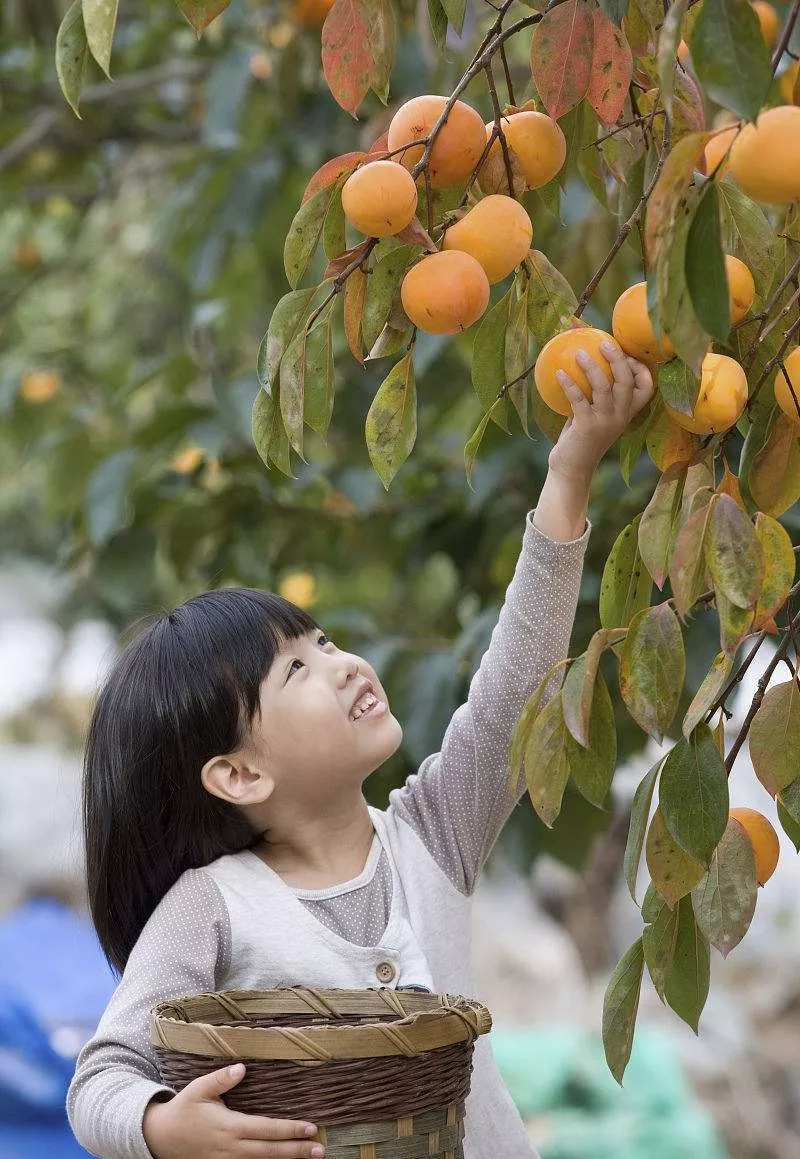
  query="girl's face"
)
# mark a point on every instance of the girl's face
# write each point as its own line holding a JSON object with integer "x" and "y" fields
{"x": 313, "y": 746}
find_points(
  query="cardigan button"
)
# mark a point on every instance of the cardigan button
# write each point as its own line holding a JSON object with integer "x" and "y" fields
{"x": 385, "y": 971}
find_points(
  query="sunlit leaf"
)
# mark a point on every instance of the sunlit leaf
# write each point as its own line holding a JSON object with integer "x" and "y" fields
{"x": 72, "y": 53}
{"x": 710, "y": 688}
{"x": 99, "y": 21}
{"x": 774, "y": 737}
{"x": 673, "y": 871}
{"x": 391, "y": 426}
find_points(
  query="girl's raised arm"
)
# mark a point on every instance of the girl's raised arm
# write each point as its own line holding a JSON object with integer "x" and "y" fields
{"x": 459, "y": 799}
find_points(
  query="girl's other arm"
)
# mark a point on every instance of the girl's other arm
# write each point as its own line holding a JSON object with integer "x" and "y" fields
{"x": 182, "y": 950}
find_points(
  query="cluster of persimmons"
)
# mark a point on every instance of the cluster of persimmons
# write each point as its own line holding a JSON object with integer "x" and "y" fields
{"x": 448, "y": 290}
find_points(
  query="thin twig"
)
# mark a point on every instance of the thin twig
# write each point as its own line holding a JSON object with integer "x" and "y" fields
{"x": 632, "y": 221}
{"x": 786, "y": 36}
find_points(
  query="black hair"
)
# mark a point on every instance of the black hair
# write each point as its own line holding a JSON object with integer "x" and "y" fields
{"x": 184, "y": 690}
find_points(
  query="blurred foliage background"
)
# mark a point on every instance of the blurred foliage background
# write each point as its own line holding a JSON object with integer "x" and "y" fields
{"x": 141, "y": 255}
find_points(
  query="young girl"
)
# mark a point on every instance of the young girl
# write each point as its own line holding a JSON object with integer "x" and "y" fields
{"x": 229, "y": 844}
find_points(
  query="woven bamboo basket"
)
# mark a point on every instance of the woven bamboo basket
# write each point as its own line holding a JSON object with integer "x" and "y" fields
{"x": 384, "y": 1073}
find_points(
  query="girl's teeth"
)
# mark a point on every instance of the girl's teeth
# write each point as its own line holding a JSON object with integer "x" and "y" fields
{"x": 368, "y": 703}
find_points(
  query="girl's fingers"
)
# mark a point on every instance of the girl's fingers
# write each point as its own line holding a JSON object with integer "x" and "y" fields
{"x": 620, "y": 366}
{"x": 598, "y": 380}
{"x": 261, "y": 1127}
{"x": 255, "y": 1149}
{"x": 643, "y": 387}
{"x": 575, "y": 396}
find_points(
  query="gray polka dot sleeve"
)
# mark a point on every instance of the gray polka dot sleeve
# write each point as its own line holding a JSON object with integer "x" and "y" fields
{"x": 458, "y": 800}
{"x": 183, "y": 949}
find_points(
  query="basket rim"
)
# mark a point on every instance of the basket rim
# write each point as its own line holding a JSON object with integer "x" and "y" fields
{"x": 424, "y": 1022}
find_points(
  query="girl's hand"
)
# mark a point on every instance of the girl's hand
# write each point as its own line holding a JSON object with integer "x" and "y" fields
{"x": 196, "y": 1124}
{"x": 594, "y": 426}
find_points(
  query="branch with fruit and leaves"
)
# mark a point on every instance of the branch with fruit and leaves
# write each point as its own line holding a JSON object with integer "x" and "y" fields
{"x": 431, "y": 230}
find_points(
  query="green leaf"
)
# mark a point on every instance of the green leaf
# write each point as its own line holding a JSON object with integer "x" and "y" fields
{"x": 578, "y": 687}
{"x": 620, "y": 1004}
{"x": 304, "y": 234}
{"x": 707, "y": 693}
{"x": 652, "y": 669}
{"x": 730, "y": 57}
{"x": 693, "y": 794}
{"x": 678, "y": 386}
{"x": 455, "y": 10}
{"x": 658, "y": 522}
{"x": 626, "y": 586}
{"x": 659, "y": 938}
{"x": 667, "y": 49}
{"x": 438, "y": 22}
{"x": 774, "y": 738}
{"x": 769, "y": 470}
{"x": 107, "y": 505}
{"x": 472, "y": 445}
{"x": 546, "y": 760}
{"x": 675, "y": 306}
{"x": 516, "y": 352}
{"x": 688, "y": 978}
{"x": 333, "y": 229}
{"x": 516, "y": 761}
{"x": 391, "y": 426}
{"x": 706, "y": 278}
{"x": 616, "y": 9}
{"x": 318, "y": 402}
{"x": 688, "y": 562}
{"x": 383, "y": 286}
{"x": 733, "y": 552}
{"x": 780, "y": 565}
{"x": 72, "y": 53}
{"x": 551, "y": 300}
{"x": 640, "y": 815}
{"x": 200, "y": 13}
{"x": 287, "y": 318}
{"x": 99, "y": 21}
{"x": 747, "y": 232}
{"x": 788, "y": 803}
{"x": 673, "y": 871}
{"x": 725, "y": 901}
{"x": 489, "y": 360}
{"x": 592, "y": 767}
{"x": 269, "y": 434}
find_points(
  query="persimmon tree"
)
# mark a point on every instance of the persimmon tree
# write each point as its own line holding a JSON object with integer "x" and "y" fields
{"x": 684, "y": 120}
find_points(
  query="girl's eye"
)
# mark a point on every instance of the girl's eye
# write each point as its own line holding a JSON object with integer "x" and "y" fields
{"x": 323, "y": 639}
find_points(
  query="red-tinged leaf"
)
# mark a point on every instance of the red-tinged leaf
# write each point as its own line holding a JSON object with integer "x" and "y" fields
{"x": 200, "y": 13}
{"x": 340, "y": 263}
{"x": 561, "y": 56}
{"x": 354, "y": 290}
{"x": 358, "y": 40}
{"x": 612, "y": 69}
{"x": 331, "y": 171}
{"x": 415, "y": 234}
{"x": 380, "y": 145}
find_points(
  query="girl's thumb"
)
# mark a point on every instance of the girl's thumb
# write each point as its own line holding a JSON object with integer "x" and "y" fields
{"x": 211, "y": 1086}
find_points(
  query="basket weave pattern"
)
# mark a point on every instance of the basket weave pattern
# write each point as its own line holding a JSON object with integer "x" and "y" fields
{"x": 384, "y": 1075}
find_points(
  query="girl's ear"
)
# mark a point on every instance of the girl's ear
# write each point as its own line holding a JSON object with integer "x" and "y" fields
{"x": 234, "y": 780}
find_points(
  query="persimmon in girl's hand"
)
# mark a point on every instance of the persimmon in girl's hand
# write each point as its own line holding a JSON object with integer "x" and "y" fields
{"x": 597, "y": 423}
